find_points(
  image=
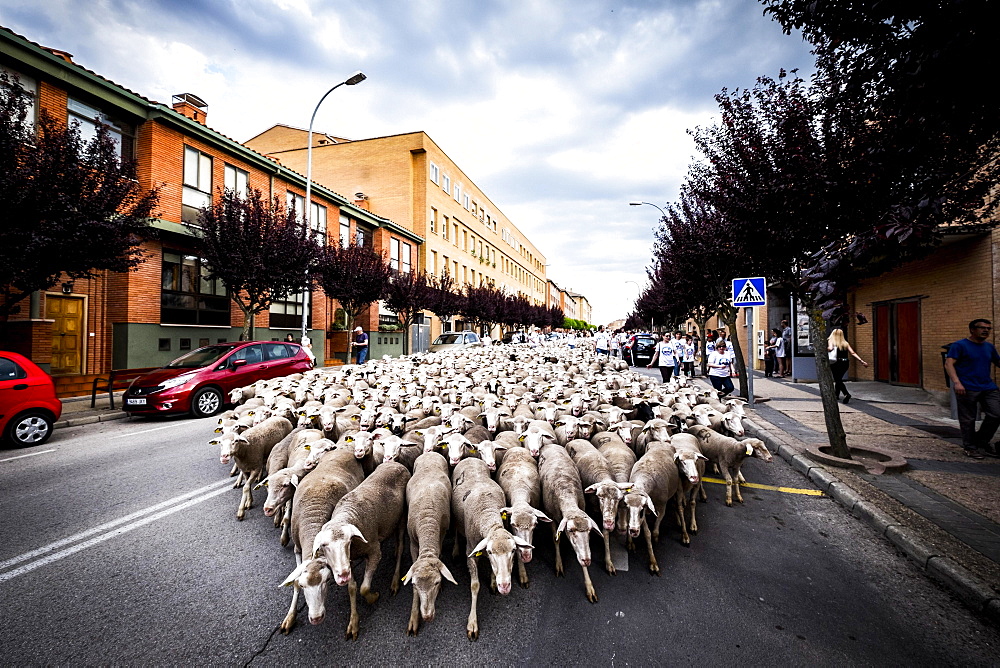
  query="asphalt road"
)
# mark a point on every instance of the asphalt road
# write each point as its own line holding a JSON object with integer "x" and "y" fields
{"x": 119, "y": 544}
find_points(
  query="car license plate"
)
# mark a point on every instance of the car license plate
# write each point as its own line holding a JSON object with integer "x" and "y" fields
{"x": 136, "y": 402}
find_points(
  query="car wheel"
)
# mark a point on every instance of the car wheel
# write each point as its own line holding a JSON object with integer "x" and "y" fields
{"x": 206, "y": 402}
{"x": 29, "y": 429}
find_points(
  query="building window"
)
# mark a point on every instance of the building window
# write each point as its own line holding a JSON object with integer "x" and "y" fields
{"x": 434, "y": 263}
{"x": 432, "y": 220}
{"x": 360, "y": 239}
{"x": 454, "y": 228}
{"x": 458, "y": 193}
{"x": 467, "y": 202}
{"x": 317, "y": 221}
{"x": 197, "y": 184}
{"x": 188, "y": 296}
{"x": 444, "y": 228}
{"x": 400, "y": 254}
{"x": 287, "y": 313}
{"x": 345, "y": 231}
{"x": 296, "y": 203}
{"x": 435, "y": 173}
{"x": 446, "y": 183}
{"x": 88, "y": 118}
{"x": 28, "y": 89}
{"x": 237, "y": 180}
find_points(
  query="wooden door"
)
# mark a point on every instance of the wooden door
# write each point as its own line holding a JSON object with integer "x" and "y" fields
{"x": 907, "y": 343}
{"x": 66, "y": 314}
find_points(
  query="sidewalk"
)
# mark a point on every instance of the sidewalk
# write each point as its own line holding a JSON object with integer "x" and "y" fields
{"x": 942, "y": 511}
{"x": 77, "y": 411}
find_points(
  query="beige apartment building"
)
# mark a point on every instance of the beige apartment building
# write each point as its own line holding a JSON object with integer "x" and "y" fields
{"x": 412, "y": 181}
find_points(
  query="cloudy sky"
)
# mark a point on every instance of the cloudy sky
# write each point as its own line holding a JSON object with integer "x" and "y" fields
{"x": 561, "y": 111}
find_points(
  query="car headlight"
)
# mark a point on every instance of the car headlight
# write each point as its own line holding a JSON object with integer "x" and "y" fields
{"x": 174, "y": 382}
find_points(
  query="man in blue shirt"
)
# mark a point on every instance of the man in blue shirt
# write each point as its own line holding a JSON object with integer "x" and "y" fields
{"x": 968, "y": 365}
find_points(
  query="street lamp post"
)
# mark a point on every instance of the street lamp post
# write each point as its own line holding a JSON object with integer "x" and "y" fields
{"x": 662, "y": 212}
{"x": 352, "y": 80}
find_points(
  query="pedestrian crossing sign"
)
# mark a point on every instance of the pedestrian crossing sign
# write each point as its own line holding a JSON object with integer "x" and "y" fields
{"x": 749, "y": 292}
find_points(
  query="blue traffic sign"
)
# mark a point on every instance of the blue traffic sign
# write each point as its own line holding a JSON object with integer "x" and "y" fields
{"x": 749, "y": 291}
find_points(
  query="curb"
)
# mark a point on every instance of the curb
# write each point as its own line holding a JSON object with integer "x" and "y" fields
{"x": 962, "y": 583}
{"x": 90, "y": 419}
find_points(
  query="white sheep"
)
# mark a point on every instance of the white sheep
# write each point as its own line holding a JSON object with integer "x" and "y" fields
{"x": 428, "y": 497}
{"x": 562, "y": 499}
{"x": 728, "y": 454}
{"x": 363, "y": 518}
{"x": 250, "y": 451}
{"x": 518, "y": 477}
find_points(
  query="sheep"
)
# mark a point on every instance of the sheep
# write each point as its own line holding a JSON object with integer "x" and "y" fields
{"x": 654, "y": 430}
{"x": 476, "y": 506}
{"x": 562, "y": 500}
{"x": 250, "y": 451}
{"x": 598, "y": 479}
{"x": 365, "y": 517}
{"x": 691, "y": 466}
{"x": 522, "y": 488}
{"x": 315, "y": 498}
{"x": 654, "y": 481}
{"x": 537, "y": 434}
{"x": 566, "y": 429}
{"x": 396, "y": 449}
{"x": 428, "y": 498}
{"x": 728, "y": 454}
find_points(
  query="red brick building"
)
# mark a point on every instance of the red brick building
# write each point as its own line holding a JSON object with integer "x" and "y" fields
{"x": 83, "y": 328}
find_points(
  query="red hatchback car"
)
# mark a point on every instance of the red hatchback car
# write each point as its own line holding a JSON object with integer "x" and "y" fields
{"x": 201, "y": 380}
{"x": 28, "y": 403}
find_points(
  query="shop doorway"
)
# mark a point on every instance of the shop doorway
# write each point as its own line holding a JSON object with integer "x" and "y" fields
{"x": 66, "y": 314}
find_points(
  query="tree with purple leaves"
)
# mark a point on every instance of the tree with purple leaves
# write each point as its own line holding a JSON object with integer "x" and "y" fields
{"x": 446, "y": 300}
{"x": 258, "y": 248}
{"x": 354, "y": 275}
{"x": 71, "y": 207}
{"x": 408, "y": 293}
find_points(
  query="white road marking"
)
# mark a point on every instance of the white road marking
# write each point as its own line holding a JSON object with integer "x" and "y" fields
{"x": 138, "y": 519}
{"x": 30, "y": 454}
{"x": 146, "y": 431}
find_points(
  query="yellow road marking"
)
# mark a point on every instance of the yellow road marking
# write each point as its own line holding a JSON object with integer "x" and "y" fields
{"x": 786, "y": 490}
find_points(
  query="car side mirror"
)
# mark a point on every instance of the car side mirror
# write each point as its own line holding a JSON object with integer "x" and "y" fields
{"x": 238, "y": 363}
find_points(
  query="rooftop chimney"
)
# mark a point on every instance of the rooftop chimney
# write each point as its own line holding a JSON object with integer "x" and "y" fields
{"x": 190, "y": 105}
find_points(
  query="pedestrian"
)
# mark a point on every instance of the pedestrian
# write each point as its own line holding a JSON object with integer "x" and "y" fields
{"x": 840, "y": 353}
{"x": 487, "y": 340}
{"x": 688, "y": 359}
{"x": 720, "y": 364}
{"x": 772, "y": 351}
{"x": 308, "y": 347}
{"x": 360, "y": 344}
{"x": 785, "y": 361}
{"x": 602, "y": 342}
{"x": 678, "y": 354}
{"x": 665, "y": 356}
{"x": 968, "y": 365}
{"x": 289, "y": 338}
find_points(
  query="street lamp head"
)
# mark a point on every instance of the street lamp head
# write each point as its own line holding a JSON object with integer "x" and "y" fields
{"x": 635, "y": 203}
{"x": 356, "y": 78}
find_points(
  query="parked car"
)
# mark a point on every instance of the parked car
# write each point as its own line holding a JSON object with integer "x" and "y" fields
{"x": 201, "y": 380}
{"x": 28, "y": 403}
{"x": 454, "y": 341}
{"x": 639, "y": 349}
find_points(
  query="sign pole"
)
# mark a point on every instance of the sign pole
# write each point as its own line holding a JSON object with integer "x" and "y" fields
{"x": 752, "y": 353}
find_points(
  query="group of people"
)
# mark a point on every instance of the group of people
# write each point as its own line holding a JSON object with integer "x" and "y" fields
{"x": 778, "y": 352}
{"x": 359, "y": 345}
{"x": 675, "y": 355}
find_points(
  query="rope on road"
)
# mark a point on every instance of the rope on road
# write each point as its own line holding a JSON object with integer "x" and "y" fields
{"x": 785, "y": 490}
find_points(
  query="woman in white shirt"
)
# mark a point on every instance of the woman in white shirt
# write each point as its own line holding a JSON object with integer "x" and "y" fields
{"x": 665, "y": 356}
{"x": 719, "y": 369}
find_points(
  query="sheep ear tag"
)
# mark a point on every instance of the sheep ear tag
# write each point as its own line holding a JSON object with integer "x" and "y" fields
{"x": 749, "y": 449}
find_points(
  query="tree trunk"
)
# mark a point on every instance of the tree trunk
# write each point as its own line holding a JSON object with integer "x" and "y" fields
{"x": 703, "y": 343}
{"x": 248, "y": 323}
{"x": 831, "y": 409}
{"x": 729, "y": 316}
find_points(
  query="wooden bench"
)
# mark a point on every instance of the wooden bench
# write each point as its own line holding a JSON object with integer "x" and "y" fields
{"x": 118, "y": 379}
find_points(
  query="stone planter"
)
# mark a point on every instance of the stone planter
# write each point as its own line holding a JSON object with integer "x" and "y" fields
{"x": 869, "y": 458}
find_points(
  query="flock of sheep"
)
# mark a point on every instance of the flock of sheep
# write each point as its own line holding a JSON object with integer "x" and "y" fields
{"x": 490, "y": 442}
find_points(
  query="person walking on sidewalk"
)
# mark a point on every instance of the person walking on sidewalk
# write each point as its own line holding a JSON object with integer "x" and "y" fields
{"x": 840, "y": 352}
{"x": 665, "y": 356}
{"x": 360, "y": 344}
{"x": 785, "y": 355}
{"x": 968, "y": 365}
{"x": 720, "y": 364}
{"x": 772, "y": 352}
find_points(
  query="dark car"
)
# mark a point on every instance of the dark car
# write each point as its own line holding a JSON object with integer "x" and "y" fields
{"x": 28, "y": 403}
{"x": 639, "y": 349}
{"x": 201, "y": 380}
